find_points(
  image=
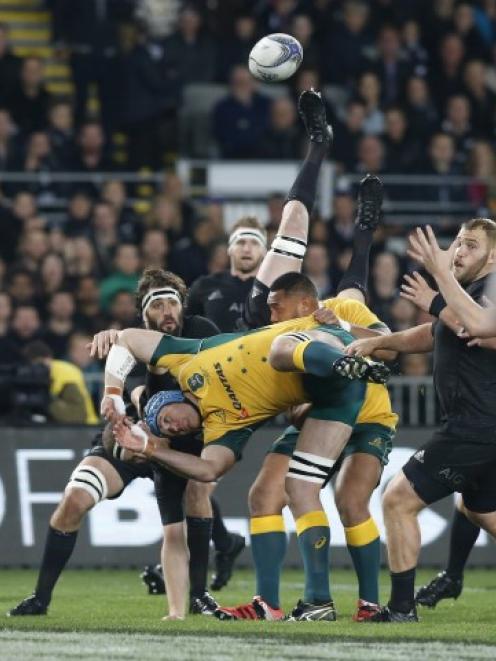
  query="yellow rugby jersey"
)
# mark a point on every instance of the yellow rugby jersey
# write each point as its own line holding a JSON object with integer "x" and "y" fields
{"x": 231, "y": 376}
{"x": 377, "y": 405}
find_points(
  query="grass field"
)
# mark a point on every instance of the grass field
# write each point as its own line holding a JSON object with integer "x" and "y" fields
{"x": 108, "y": 615}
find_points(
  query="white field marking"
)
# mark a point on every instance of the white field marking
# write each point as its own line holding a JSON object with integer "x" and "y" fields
{"x": 347, "y": 587}
{"x": 37, "y": 645}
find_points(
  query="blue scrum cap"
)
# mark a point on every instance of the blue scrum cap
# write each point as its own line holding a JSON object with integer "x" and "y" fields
{"x": 156, "y": 403}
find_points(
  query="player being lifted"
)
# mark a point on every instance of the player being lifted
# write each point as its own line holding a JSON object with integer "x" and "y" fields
{"x": 280, "y": 293}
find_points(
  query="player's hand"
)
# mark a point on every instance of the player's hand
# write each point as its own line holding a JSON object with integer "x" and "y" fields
{"x": 417, "y": 291}
{"x": 325, "y": 316}
{"x": 298, "y": 414}
{"x": 365, "y": 347}
{"x": 425, "y": 249}
{"x": 102, "y": 341}
{"x": 113, "y": 408}
{"x": 482, "y": 342}
{"x": 133, "y": 438}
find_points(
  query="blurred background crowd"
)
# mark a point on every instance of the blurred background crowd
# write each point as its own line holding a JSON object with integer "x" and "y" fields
{"x": 130, "y": 86}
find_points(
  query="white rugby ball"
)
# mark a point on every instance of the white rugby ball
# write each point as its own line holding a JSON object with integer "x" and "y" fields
{"x": 275, "y": 57}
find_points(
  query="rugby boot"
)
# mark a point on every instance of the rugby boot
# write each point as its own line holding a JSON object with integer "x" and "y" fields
{"x": 311, "y": 109}
{"x": 387, "y": 614}
{"x": 204, "y": 605}
{"x": 224, "y": 562}
{"x": 153, "y": 577}
{"x": 305, "y": 612}
{"x": 369, "y": 209}
{"x": 363, "y": 369}
{"x": 29, "y": 606}
{"x": 441, "y": 587}
{"x": 365, "y": 610}
{"x": 242, "y": 612}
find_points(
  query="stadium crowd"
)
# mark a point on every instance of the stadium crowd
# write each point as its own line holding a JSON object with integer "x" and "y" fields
{"x": 411, "y": 90}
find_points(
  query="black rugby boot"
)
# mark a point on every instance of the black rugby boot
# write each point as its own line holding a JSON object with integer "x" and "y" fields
{"x": 369, "y": 210}
{"x": 312, "y": 111}
{"x": 441, "y": 587}
{"x": 29, "y": 606}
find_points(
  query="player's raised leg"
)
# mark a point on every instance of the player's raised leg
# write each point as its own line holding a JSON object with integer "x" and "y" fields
{"x": 93, "y": 480}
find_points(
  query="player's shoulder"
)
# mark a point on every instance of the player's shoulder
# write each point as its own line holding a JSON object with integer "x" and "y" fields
{"x": 198, "y": 327}
{"x": 336, "y": 303}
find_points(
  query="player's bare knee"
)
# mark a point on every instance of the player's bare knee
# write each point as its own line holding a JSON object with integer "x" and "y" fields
{"x": 71, "y": 510}
{"x": 352, "y": 509}
{"x": 294, "y": 221}
{"x": 397, "y": 498}
{"x": 197, "y": 499}
{"x": 264, "y": 500}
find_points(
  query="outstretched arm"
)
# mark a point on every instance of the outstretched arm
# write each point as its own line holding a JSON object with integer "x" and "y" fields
{"x": 413, "y": 340}
{"x": 476, "y": 320}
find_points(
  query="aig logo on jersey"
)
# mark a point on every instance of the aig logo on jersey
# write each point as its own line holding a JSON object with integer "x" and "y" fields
{"x": 195, "y": 382}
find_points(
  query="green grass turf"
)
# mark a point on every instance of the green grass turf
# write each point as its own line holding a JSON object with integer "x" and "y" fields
{"x": 116, "y": 601}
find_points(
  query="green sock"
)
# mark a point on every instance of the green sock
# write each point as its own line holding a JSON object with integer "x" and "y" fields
{"x": 364, "y": 545}
{"x": 317, "y": 358}
{"x": 313, "y": 539}
{"x": 268, "y": 547}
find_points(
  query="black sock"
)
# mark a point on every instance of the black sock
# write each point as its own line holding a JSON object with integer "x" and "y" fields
{"x": 403, "y": 590}
{"x": 199, "y": 534}
{"x": 221, "y": 536}
{"x": 58, "y": 549}
{"x": 464, "y": 534}
{"x": 357, "y": 273}
{"x": 304, "y": 188}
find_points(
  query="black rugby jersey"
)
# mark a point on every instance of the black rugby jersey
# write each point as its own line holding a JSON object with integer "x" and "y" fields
{"x": 465, "y": 377}
{"x": 221, "y": 298}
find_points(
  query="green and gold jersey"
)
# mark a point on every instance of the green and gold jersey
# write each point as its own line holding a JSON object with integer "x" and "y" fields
{"x": 377, "y": 405}
{"x": 232, "y": 378}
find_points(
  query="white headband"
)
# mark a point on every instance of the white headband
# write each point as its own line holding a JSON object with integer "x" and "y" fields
{"x": 163, "y": 292}
{"x": 247, "y": 233}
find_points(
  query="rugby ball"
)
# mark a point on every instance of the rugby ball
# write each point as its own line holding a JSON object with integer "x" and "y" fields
{"x": 275, "y": 57}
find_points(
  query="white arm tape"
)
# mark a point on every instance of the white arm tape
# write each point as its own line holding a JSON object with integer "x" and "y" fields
{"x": 120, "y": 362}
{"x": 345, "y": 325}
{"x": 120, "y": 407}
{"x": 293, "y": 247}
{"x": 136, "y": 430}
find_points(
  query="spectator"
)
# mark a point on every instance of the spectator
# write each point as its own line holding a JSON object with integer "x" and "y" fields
{"x": 10, "y": 65}
{"x": 317, "y": 268}
{"x": 369, "y": 90}
{"x": 173, "y": 190}
{"x": 218, "y": 258}
{"x": 38, "y": 158}
{"x": 457, "y": 124}
{"x": 342, "y": 223}
{"x": 21, "y": 287}
{"x": 481, "y": 165}
{"x": 79, "y": 356}
{"x": 391, "y": 68}
{"x": 402, "y": 153}
{"x": 105, "y": 232}
{"x": 414, "y": 52}
{"x": 420, "y": 110}
{"x": 466, "y": 29}
{"x": 25, "y": 327}
{"x": 28, "y": 101}
{"x": 130, "y": 229}
{"x": 78, "y": 221}
{"x": 482, "y": 100}
{"x": 70, "y": 401}
{"x": 166, "y": 215}
{"x": 384, "y": 289}
{"x": 446, "y": 77}
{"x": 403, "y": 314}
{"x": 275, "y": 206}
{"x": 236, "y": 48}
{"x": 89, "y": 316}
{"x": 241, "y": 118}
{"x": 5, "y": 313}
{"x": 61, "y": 132}
{"x": 52, "y": 274}
{"x": 277, "y": 16}
{"x": 142, "y": 98}
{"x": 154, "y": 249}
{"x": 302, "y": 28}
{"x": 8, "y": 151}
{"x": 189, "y": 257}
{"x": 60, "y": 322}
{"x": 80, "y": 258}
{"x": 190, "y": 54}
{"x": 348, "y": 135}
{"x": 90, "y": 155}
{"x": 282, "y": 140}
{"x": 123, "y": 310}
{"x": 124, "y": 277}
{"x": 371, "y": 157}
{"x": 442, "y": 164}
{"x": 345, "y": 45}
{"x": 33, "y": 247}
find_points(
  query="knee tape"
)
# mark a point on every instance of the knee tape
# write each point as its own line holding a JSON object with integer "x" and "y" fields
{"x": 91, "y": 480}
{"x": 289, "y": 246}
{"x": 309, "y": 467}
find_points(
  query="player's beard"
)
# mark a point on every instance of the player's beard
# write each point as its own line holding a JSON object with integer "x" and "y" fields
{"x": 473, "y": 272}
{"x": 152, "y": 325}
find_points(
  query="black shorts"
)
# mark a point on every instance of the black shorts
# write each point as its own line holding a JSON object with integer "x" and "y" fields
{"x": 170, "y": 487}
{"x": 454, "y": 460}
